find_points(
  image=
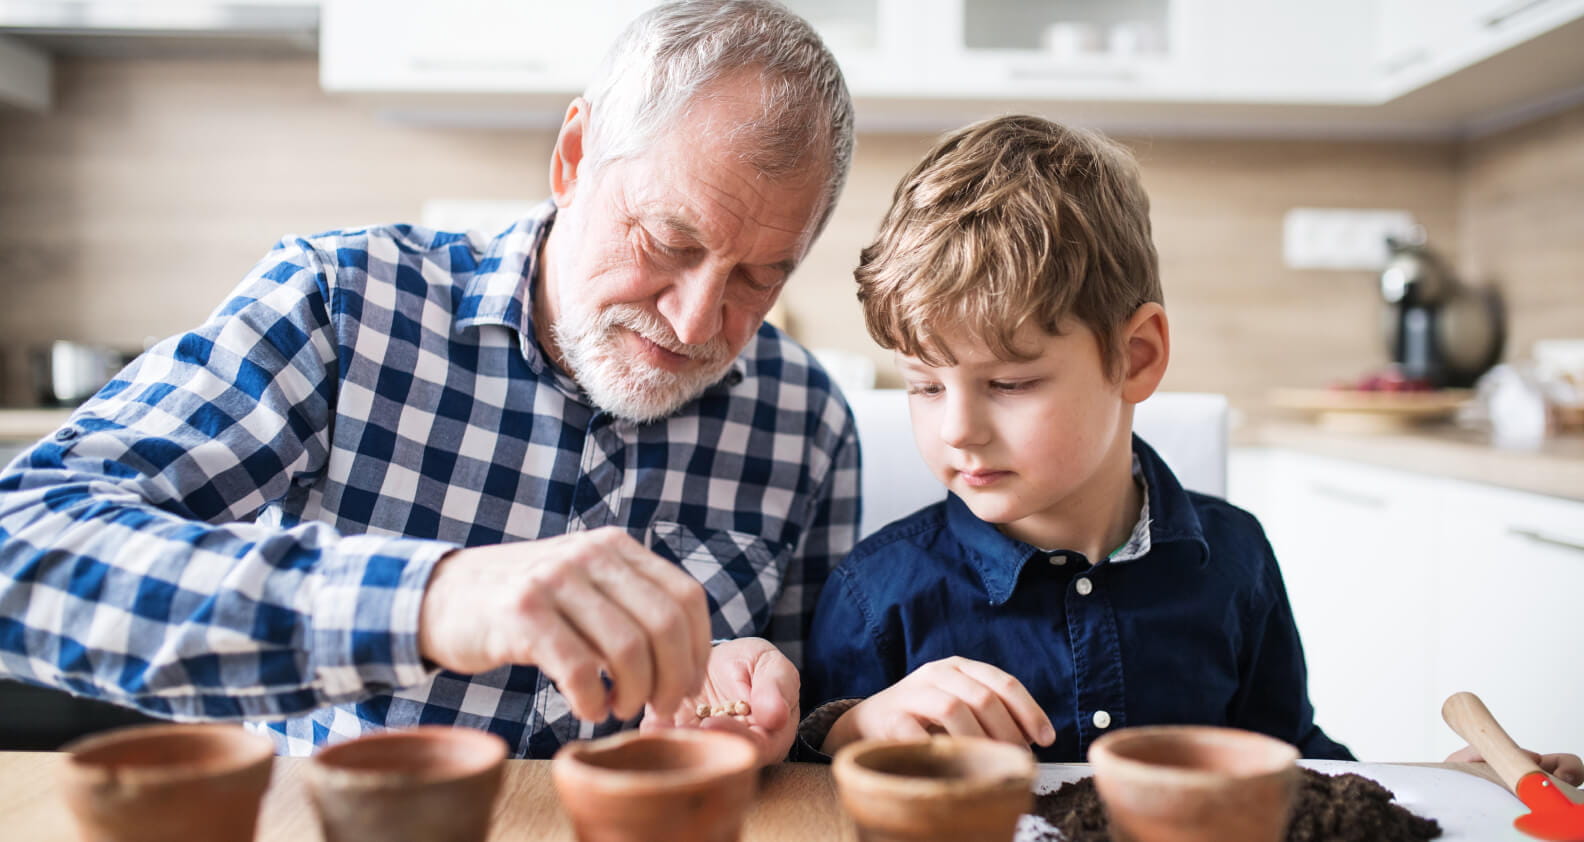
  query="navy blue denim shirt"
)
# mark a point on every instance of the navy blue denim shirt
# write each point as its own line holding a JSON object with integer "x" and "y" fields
{"x": 1194, "y": 630}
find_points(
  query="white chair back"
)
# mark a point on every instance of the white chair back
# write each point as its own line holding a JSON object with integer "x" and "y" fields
{"x": 1188, "y": 430}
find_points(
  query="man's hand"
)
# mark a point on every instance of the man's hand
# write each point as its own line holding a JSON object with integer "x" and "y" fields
{"x": 1567, "y": 768}
{"x": 750, "y": 670}
{"x": 573, "y": 606}
{"x": 954, "y": 696}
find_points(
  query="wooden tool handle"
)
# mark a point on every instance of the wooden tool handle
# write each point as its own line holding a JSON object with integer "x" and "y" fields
{"x": 1469, "y": 717}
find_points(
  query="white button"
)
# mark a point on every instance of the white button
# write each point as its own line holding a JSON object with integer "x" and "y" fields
{"x": 1084, "y": 586}
{"x": 1102, "y": 719}
{"x": 1058, "y": 560}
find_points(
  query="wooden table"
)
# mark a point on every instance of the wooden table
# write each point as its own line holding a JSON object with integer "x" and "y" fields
{"x": 797, "y": 801}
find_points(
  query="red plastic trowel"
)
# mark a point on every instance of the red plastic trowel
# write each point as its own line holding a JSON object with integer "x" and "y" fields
{"x": 1557, "y": 810}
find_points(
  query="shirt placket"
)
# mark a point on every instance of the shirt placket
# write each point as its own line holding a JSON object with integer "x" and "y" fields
{"x": 1097, "y": 658}
{"x": 598, "y": 498}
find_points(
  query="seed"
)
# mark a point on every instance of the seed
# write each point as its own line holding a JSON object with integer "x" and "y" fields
{"x": 732, "y": 708}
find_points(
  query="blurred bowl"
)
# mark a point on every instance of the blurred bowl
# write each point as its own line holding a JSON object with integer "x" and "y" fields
{"x": 155, "y": 783}
{"x": 1190, "y": 783}
{"x": 957, "y": 789}
{"x": 433, "y": 783}
{"x": 681, "y": 785}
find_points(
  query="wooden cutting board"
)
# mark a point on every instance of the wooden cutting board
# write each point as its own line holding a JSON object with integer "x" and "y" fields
{"x": 1355, "y": 411}
{"x": 1470, "y": 808}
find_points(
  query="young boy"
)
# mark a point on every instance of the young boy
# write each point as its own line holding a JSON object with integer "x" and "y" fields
{"x": 1068, "y": 586}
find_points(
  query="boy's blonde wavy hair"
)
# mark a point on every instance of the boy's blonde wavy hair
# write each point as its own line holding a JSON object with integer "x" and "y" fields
{"x": 1008, "y": 221}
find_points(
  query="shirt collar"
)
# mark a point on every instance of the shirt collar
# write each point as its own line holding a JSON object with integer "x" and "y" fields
{"x": 501, "y": 289}
{"x": 1166, "y": 517}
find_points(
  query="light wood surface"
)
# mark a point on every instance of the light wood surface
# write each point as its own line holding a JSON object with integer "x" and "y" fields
{"x": 796, "y": 803}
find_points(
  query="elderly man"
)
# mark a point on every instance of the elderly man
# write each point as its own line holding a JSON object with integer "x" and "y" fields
{"x": 533, "y": 484}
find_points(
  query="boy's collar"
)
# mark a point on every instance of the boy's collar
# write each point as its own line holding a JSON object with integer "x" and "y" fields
{"x": 999, "y": 559}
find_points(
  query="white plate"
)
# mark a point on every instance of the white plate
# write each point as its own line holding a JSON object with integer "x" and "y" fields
{"x": 1469, "y": 808}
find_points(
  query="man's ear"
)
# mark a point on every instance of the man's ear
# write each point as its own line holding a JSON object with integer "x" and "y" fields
{"x": 567, "y": 156}
{"x": 1146, "y": 347}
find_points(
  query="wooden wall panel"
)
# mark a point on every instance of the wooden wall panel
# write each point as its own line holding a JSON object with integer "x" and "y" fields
{"x": 1521, "y": 221}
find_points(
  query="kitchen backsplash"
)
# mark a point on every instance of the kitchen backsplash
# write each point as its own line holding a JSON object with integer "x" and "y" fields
{"x": 132, "y": 208}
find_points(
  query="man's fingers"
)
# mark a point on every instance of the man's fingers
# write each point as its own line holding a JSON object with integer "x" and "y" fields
{"x": 621, "y": 643}
{"x": 684, "y": 591}
{"x": 562, "y": 654}
{"x": 1031, "y": 719}
{"x": 664, "y": 622}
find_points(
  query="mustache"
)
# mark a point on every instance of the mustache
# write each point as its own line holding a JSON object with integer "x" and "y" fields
{"x": 653, "y": 328}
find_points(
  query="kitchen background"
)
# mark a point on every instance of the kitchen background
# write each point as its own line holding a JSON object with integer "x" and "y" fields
{"x": 149, "y": 169}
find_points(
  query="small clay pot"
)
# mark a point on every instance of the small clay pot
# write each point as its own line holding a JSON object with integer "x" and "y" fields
{"x": 428, "y": 784}
{"x": 682, "y": 785}
{"x": 155, "y": 783}
{"x": 965, "y": 789}
{"x": 1182, "y": 783}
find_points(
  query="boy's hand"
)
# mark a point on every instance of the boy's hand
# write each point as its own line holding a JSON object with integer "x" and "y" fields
{"x": 751, "y": 671}
{"x": 1566, "y": 767}
{"x": 954, "y": 696}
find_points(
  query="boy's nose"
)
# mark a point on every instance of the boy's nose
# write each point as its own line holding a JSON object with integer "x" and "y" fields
{"x": 962, "y": 424}
{"x": 695, "y": 303}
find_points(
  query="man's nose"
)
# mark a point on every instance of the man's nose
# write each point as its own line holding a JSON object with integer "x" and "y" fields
{"x": 695, "y": 303}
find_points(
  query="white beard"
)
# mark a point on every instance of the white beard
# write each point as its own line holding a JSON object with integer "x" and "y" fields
{"x": 590, "y": 344}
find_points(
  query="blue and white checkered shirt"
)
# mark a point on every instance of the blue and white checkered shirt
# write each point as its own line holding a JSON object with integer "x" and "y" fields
{"x": 242, "y": 523}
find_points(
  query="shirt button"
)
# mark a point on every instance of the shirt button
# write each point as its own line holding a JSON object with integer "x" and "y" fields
{"x": 66, "y": 434}
{"x": 1084, "y": 586}
{"x": 1102, "y": 719}
{"x": 1058, "y": 560}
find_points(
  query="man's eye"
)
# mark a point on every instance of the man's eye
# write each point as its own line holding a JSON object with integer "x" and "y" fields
{"x": 754, "y": 284}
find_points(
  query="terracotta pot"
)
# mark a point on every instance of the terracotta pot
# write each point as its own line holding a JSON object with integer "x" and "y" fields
{"x": 428, "y": 784}
{"x": 154, "y": 783}
{"x": 944, "y": 788}
{"x": 681, "y": 785}
{"x": 1195, "y": 784}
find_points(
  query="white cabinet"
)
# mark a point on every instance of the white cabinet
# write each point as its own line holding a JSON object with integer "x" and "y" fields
{"x": 933, "y": 64}
{"x": 1356, "y": 578}
{"x": 1012, "y": 49}
{"x": 1509, "y": 585}
{"x": 1419, "y": 42}
{"x": 1408, "y": 587}
{"x": 1409, "y": 32}
{"x": 1282, "y": 52}
{"x": 466, "y": 46}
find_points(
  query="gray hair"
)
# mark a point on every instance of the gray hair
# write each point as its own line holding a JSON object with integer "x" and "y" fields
{"x": 672, "y": 54}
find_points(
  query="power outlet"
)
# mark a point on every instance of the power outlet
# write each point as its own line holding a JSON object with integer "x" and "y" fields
{"x": 1343, "y": 238}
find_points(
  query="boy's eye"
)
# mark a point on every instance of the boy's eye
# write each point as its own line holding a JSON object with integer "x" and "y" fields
{"x": 1012, "y": 385}
{"x": 925, "y": 389}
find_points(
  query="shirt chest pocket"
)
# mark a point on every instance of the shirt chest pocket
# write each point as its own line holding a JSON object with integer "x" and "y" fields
{"x": 741, "y": 573}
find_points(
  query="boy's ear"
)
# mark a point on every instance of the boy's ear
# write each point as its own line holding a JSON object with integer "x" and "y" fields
{"x": 1146, "y": 347}
{"x": 567, "y": 156}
